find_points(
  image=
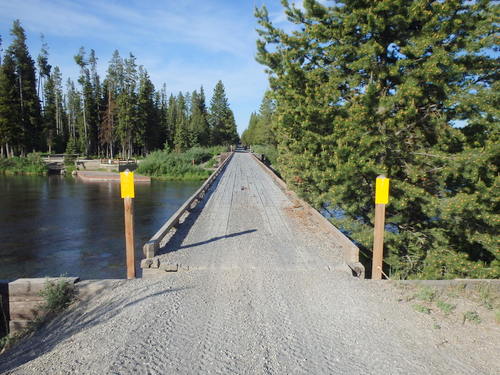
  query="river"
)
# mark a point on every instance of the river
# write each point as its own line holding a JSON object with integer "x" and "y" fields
{"x": 55, "y": 225}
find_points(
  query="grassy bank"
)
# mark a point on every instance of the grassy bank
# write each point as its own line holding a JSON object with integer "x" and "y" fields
{"x": 192, "y": 165}
{"x": 29, "y": 165}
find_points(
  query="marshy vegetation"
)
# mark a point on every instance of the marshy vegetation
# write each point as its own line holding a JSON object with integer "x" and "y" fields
{"x": 194, "y": 164}
{"x": 32, "y": 164}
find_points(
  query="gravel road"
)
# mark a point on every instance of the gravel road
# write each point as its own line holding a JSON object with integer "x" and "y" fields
{"x": 255, "y": 302}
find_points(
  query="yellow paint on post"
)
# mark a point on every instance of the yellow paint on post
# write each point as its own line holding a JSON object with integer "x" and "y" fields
{"x": 127, "y": 184}
{"x": 382, "y": 190}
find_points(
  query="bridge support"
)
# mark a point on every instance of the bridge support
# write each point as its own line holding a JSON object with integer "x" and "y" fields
{"x": 150, "y": 248}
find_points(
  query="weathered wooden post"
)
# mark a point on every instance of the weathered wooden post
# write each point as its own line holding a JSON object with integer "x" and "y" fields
{"x": 128, "y": 194}
{"x": 381, "y": 199}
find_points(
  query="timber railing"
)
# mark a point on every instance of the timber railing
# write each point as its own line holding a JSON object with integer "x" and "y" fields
{"x": 151, "y": 247}
{"x": 350, "y": 250}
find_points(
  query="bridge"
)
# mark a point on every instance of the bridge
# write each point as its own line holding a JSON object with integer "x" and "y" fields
{"x": 245, "y": 278}
{"x": 243, "y": 217}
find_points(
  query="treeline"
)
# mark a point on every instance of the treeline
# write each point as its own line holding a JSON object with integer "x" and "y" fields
{"x": 260, "y": 126}
{"x": 408, "y": 89}
{"x": 121, "y": 114}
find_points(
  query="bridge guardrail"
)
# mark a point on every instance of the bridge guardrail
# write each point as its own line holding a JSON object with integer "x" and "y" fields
{"x": 350, "y": 250}
{"x": 151, "y": 247}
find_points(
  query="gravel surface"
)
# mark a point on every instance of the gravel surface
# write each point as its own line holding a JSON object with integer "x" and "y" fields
{"x": 251, "y": 322}
{"x": 257, "y": 302}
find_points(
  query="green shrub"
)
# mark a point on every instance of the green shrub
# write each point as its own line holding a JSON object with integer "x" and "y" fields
{"x": 58, "y": 295}
{"x": 472, "y": 316}
{"x": 426, "y": 294}
{"x": 422, "y": 309}
{"x": 179, "y": 166}
{"x": 269, "y": 151}
{"x": 31, "y": 164}
{"x": 445, "y": 307}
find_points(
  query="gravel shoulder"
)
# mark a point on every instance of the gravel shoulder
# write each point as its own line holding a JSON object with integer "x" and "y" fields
{"x": 252, "y": 322}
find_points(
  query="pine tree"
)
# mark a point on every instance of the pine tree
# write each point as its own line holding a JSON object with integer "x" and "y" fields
{"x": 171, "y": 116}
{"x": 9, "y": 107}
{"x": 60, "y": 114}
{"x": 74, "y": 118}
{"x": 260, "y": 127}
{"x": 148, "y": 115}
{"x": 112, "y": 87}
{"x": 181, "y": 136}
{"x": 198, "y": 123}
{"x": 29, "y": 137}
{"x": 91, "y": 93}
{"x": 221, "y": 118}
{"x": 364, "y": 88}
{"x": 94, "y": 104}
{"x": 127, "y": 130}
{"x": 43, "y": 69}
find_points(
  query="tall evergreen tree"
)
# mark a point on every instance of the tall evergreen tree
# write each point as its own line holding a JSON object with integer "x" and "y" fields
{"x": 198, "y": 123}
{"x": 171, "y": 117}
{"x": 148, "y": 115}
{"x": 29, "y": 138}
{"x": 365, "y": 88}
{"x": 9, "y": 108}
{"x": 43, "y": 69}
{"x": 74, "y": 117}
{"x": 181, "y": 136}
{"x": 91, "y": 91}
{"x": 221, "y": 118}
{"x": 127, "y": 130}
{"x": 260, "y": 127}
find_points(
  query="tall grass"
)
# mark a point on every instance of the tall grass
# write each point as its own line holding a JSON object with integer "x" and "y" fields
{"x": 179, "y": 166}
{"x": 31, "y": 164}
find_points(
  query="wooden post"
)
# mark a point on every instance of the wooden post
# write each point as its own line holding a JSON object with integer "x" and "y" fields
{"x": 381, "y": 199}
{"x": 127, "y": 193}
{"x": 129, "y": 237}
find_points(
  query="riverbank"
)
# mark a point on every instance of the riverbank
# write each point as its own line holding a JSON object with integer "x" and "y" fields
{"x": 195, "y": 164}
{"x": 29, "y": 165}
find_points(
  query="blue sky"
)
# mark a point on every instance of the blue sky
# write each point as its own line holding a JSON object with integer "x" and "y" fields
{"x": 183, "y": 43}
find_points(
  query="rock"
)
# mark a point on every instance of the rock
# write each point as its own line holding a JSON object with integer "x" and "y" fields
{"x": 146, "y": 263}
{"x": 169, "y": 267}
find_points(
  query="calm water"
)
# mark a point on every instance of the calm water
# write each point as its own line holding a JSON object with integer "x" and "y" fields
{"x": 50, "y": 226}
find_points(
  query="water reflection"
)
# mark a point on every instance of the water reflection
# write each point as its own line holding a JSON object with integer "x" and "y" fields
{"x": 58, "y": 225}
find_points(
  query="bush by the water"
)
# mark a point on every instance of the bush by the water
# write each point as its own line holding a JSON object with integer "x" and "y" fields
{"x": 31, "y": 164}
{"x": 179, "y": 166}
{"x": 270, "y": 152}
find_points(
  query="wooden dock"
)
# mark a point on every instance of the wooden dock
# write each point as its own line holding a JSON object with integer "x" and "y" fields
{"x": 97, "y": 176}
{"x": 244, "y": 217}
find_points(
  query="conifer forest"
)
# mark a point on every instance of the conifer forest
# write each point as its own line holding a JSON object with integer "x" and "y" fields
{"x": 121, "y": 114}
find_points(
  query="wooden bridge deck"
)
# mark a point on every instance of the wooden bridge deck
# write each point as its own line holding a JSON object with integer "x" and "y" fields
{"x": 246, "y": 222}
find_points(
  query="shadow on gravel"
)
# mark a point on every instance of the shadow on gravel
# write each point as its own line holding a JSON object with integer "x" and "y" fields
{"x": 213, "y": 239}
{"x": 175, "y": 243}
{"x": 78, "y": 318}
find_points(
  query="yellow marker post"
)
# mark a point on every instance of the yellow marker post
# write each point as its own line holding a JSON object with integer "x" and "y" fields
{"x": 381, "y": 199}
{"x": 128, "y": 193}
